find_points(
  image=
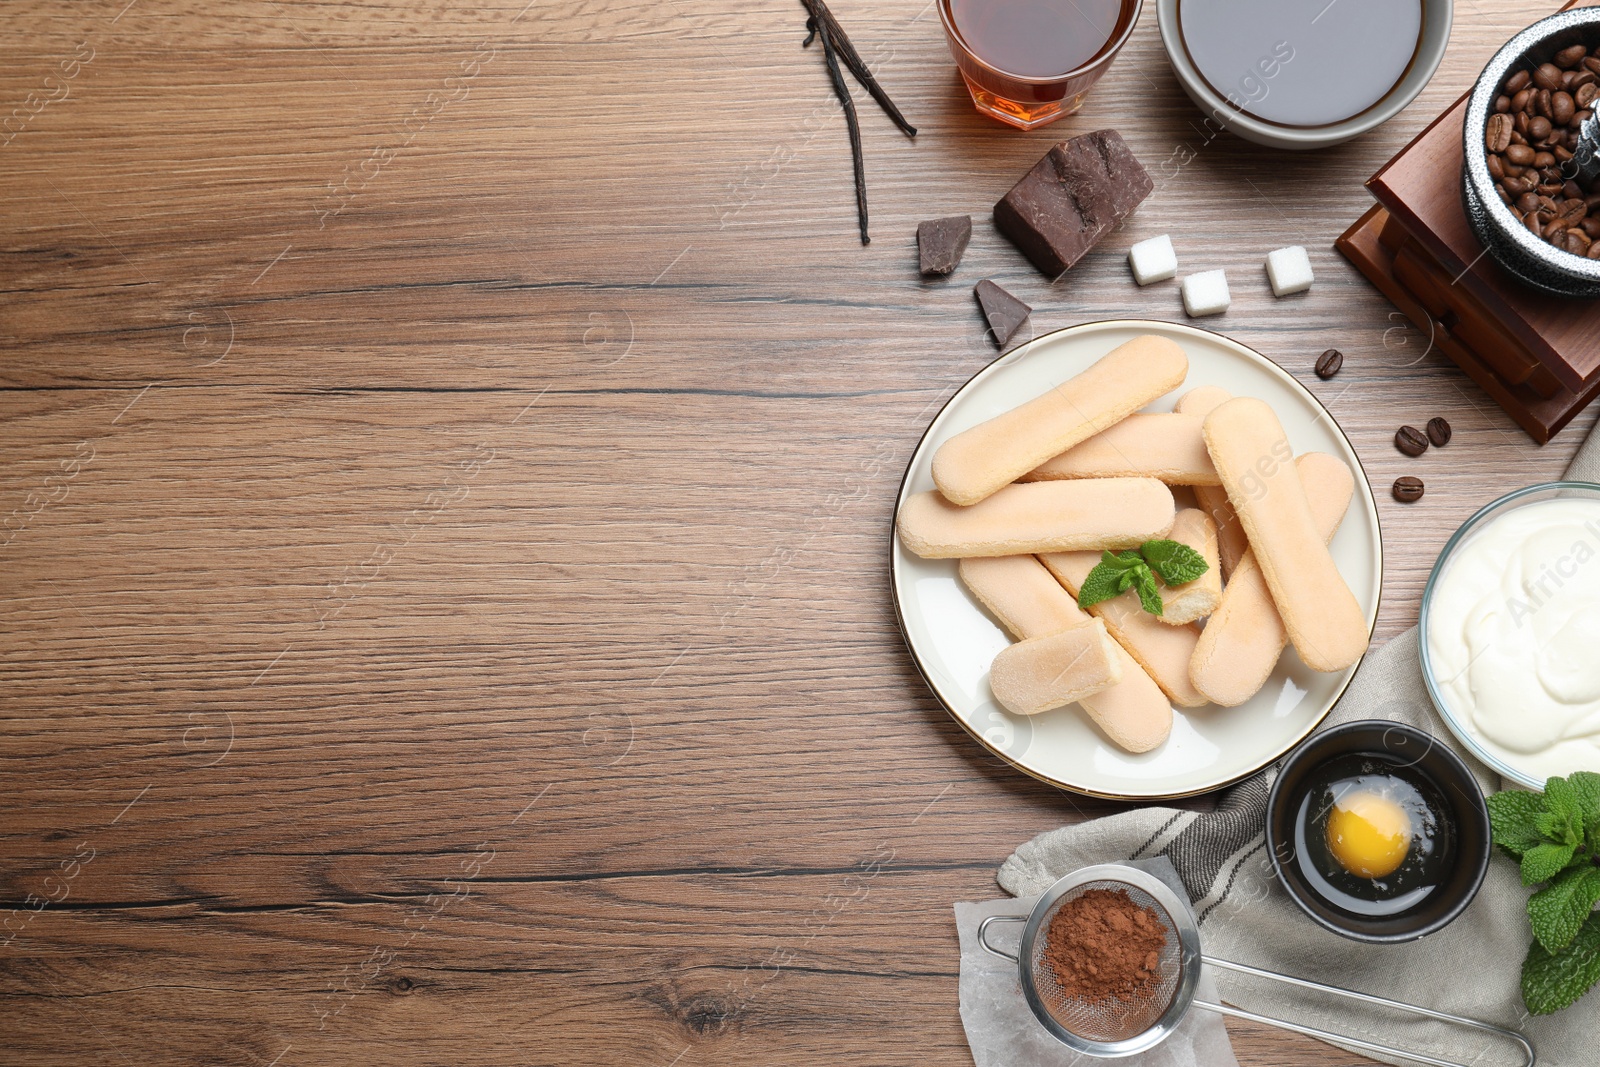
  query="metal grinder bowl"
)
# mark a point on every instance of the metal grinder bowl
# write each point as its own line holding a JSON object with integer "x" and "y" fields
{"x": 1528, "y": 258}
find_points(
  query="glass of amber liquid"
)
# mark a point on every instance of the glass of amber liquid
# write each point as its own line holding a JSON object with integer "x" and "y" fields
{"x": 1029, "y": 62}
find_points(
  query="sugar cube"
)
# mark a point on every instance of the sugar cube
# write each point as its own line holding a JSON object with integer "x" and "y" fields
{"x": 1153, "y": 260}
{"x": 1205, "y": 293}
{"x": 1289, "y": 270}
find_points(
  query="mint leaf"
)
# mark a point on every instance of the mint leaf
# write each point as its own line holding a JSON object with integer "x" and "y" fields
{"x": 1150, "y": 593}
{"x": 1103, "y": 583}
{"x": 1175, "y": 562}
{"x": 1550, "y": 981}
{"x": 1585, "y": 789}
{"x": 1557, "y": 911}
{"x": 1512, "y": 815}
{"x": 1586, "y": 792}
{"x": 1123, "y": 561}
{"x": 1563, "y": 818}
{"x": 1544, "y": 861}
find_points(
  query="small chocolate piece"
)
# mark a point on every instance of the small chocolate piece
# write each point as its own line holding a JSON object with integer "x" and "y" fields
{"x": 1410, "y": 440}
{"x": 1004, "y": 312}
{"x": 940, "y": 243}
{"x": 1407, "y": 489}
{"x": 1072, "y": 197}
{"x": 1438, "y": 432}
{"x": 1328, "y": 363}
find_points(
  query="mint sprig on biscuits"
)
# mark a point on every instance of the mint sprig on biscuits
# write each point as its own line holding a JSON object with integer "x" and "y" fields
{"x": 1174, "y": 562}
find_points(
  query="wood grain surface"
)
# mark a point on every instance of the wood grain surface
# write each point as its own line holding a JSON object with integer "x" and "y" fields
{"x": 448, "y": 456}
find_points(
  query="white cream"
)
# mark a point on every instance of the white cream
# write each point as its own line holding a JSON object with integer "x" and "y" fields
{"x": 1514, "y": 636}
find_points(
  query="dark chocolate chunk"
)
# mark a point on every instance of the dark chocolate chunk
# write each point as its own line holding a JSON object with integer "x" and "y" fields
{"x": 1005, "y": 312}
{"x": 940, "y": 243}
{"x": 1072, "y": 197}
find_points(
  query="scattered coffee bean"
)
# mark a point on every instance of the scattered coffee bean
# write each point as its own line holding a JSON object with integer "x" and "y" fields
{"x": 1411, "y": 441}
{"x": 1407, "y": 489}
{"x": 1438, "y": 432}
{"x": 1328, "y": 363}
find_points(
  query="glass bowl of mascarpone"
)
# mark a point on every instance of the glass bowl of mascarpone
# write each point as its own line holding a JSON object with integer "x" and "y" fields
{"x": 1510, "y": 633}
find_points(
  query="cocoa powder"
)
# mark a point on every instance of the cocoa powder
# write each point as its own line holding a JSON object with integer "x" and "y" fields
{"x": 1100, "y": 946}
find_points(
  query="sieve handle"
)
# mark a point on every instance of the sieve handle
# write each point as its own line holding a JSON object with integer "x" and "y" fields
{"x": 983, "y": 935}
{"x": 1365, "y": 998}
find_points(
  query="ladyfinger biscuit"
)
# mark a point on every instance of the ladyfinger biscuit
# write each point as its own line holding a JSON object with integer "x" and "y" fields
{"x": 1134, "y": 714}
{"x": 1193, "y": 600}
{"x": 1056, "y": 670}
{"x": 1245, "y": 636}
{"x": 1213, "y": 499}
{"x": 1039, "y": 517}
{"x": 977, "y": 462}
{"x": 1163, "y": 651}
{"x": 1169, "y": 447}
{"x": 1325, "y": 623}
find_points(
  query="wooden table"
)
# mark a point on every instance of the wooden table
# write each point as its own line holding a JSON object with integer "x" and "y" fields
{"x": 449, "y": 454}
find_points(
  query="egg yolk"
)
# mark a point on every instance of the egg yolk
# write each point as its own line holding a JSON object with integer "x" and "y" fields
{"x": 1368, "y": 834}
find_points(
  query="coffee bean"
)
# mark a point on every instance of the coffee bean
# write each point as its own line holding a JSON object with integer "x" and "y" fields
{"x": 1544, "y": 161}
{"x": 1538, "y": 128}
{"x": 1497, "y": 138}
{"x": 1438, "y": 432}
{"x": 1561, "y": 108}
{"x": 1517, "y": 82}
{"x": 1410, "y": 440}
{"x": 1547, "y": 76}
{"x": 1594, "y": 251}
{"x": 1520, "y": 154}
{"x": 1502, "y": 104}
{"x": 1577, "y": 243}
{"x": 1328, "y": 363}
{"x": 1520, "y": 101}
{"x": 1407, "y": 490}
{"x": 1569, "y": 57}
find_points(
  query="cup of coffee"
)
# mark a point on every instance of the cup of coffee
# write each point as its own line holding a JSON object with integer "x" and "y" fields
{"x": 1030, "y": 62}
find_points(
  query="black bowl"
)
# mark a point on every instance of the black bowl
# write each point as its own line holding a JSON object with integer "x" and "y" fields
{"x": 1427, "y": 755}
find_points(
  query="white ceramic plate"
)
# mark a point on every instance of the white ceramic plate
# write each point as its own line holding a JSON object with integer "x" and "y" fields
{"x": 953, "y": 639}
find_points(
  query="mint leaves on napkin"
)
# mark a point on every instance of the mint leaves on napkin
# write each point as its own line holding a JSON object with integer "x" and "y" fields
{"x": 1556, "y": 836}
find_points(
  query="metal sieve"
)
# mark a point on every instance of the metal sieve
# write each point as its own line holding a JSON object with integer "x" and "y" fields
{"x": 1123, "y": 1026}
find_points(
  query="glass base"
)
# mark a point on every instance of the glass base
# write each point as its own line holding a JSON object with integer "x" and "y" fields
{"x": 1022, "y": 116}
